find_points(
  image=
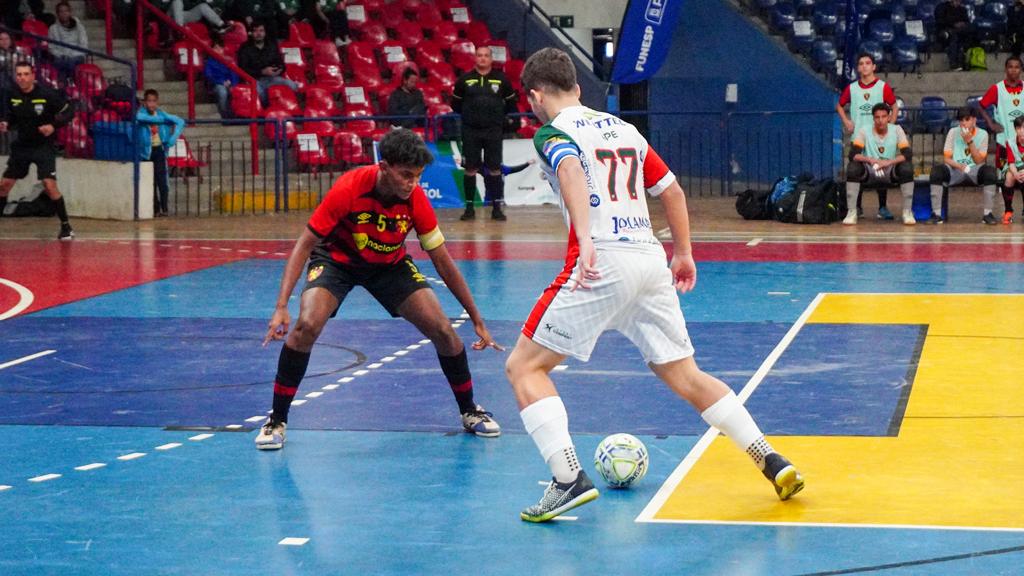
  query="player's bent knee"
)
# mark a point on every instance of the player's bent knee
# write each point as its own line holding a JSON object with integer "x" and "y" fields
{"x": 305, "y": 332}
{"x": 988, "y": 176}
{"x": 904, "y": 173}
{"x": 939, "y": 175}
{"x": 855, "y": 172}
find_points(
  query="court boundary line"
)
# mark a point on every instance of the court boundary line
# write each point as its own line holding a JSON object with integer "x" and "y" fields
{"x": 25, "y": 299}
{"x": 24, "y": 359}
{"x": 836, "y": 525}
{"x": 684, "y": 467}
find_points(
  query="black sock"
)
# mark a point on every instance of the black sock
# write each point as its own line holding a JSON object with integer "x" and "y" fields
{"x": 1007, "y": 198}
{"x": 860, "y": 196}
{"x": 3, "y": 203}
{"x": 883, "y": 195}
{"x": 495, "y": 187}
{"x": 469, "y": 189}
{"x": 62, "y": 212}
{"x": 291, "y": 367}
{"x": 456, "y": 370}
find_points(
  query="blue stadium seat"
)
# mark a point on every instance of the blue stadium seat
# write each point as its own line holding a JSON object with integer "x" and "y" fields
{"x": 910, "y": 6}
{"x": 902, "y": 116}
{"x": 804, "y": 7}
{"x": 874, "y": 48}
{"x": 782, "y": 17}
{"x": 934, "y": 116}
{"x": 926, "y": 13}
{"x": 802, "y": 36}
{"x": 899, "y": 16}
{"x": 905, "y": 57}
{"x": 824, "y": 56}
{"x": 915, "y": 30}
{"x": 881, "y": 31}
{"x": 987, "y": 33}
{"x": 975, "y": 103}
{"x": 766, "y": 5}
{"x": 825, "y": 17}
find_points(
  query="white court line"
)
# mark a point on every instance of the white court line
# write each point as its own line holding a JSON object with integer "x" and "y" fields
{"x": 330, "y": 387}
{"x": 561, "y": 367}
{"x": 387, "y": 359}
{"x": 233, "y": 427}
{"x": 566, "y": 518}
{"x": 314, "y": 394}
{"x": 424, "y": 342}
{"x": 840, "y": 525}
{"x": 293, "y": 541}
{"x": 44, "y": 478}
{"x": 24, "y": 359}
{"x": 375, "y": 365}
{"x": 298, "y": 402}
{"x": 256, "y": 419}
{"x": 25, "y": 298}
{"x": 647, "y": 515}
{"x": 360, "y": 372}
{"x": 169, "y": 446}
{"x": 412, "y": 346}
{"x": 400, "y": 352}
{"x": 755, "y": 242}
{"x": 346, "y": 379}
{"x": 88, "y": 467}
{"x": 200, "y": 437}
{"x": 778, "y": 293}
{"x": 4, "y": 487}
{"x": 132, "y": 456}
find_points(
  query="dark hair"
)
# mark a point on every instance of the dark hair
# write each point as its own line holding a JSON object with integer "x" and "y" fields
{"x": 62, "y": 3}
{"x": 408, "y": 72}
{"x": 1018, "y": 121}
{"x": 1013, "y": 58}
{"x": 965, "y": 112}
{"x": 403, "y": 147}
{"x": 258, "y": 24}
{"x": 866, "y": 55}
{"x": 216, "y": 40}
{"x": 149, "y": 92}
{"x": 881, "y": 106}
{"x": 25, "y": 64}
{"x": 549, "y": 69}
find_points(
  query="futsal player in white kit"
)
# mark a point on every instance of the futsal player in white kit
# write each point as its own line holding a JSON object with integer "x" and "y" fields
{"x": 615, "y": 278}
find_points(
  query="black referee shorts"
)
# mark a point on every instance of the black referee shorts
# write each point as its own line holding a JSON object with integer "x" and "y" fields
{"x": 44, "y": 157}
{"x": 389, "y": 284}
{"x": 488, "y": 143}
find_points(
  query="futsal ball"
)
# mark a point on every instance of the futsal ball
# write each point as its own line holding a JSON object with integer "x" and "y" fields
{"x": 621, "y": 459}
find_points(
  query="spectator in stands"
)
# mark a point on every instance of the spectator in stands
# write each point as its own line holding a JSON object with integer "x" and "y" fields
{"x": 954, "y": 30}
{"x": 197, "y": 10}
{"x": 861, "y": 96}
{"x": 219, "y": 78}
{"x": 1013, "y": 171}
{"x": 1015, "y": 26}
{"x": 407, "y": 101}
{"x": 964, "y": 157}
{"x": 25, "y": 10}
{"x": 329, "y": 18}
{"x": 69, "y": 30}
{"x": 880, "y": 156}
{"x": 261, "y": 59}
{"x": 158, "y": 132}
{"x": 1006, "y": 96}
{"x": 9, "y": 56}
{"x": 483, "y": 96}
{"x": 252, "y": 11}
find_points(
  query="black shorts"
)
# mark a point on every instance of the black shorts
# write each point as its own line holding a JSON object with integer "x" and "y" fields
{"x": 389, "y": 284}
{"x": 474, "y": 142}
{"x": 44, "y": 157}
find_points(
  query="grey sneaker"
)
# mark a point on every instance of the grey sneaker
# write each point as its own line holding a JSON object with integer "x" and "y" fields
{"x": 271, "y": 436}
{"x": 560, "y": 498}
{"x": 937, "y": 219}
{"x": 989, "y": 218}
{"x": 783, "y": 475}
{"x": 481, "y": 422}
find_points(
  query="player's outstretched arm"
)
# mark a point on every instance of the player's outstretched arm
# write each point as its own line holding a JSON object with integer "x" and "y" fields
{"x": 451, "y": 275}
{"x": 572, "y": 183}
{"x": 684, "y": 270}
{"x": 279, "y": 322}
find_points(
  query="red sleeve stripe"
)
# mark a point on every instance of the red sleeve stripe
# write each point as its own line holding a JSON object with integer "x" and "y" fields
{"x": 542, "y": 305}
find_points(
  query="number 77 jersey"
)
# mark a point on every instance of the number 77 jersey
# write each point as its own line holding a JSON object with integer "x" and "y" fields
{"x": 619, "y": 167}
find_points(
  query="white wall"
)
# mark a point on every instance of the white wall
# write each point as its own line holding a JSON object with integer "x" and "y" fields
{"x": 97, "y": 189}
{"x": 587, "y": 15}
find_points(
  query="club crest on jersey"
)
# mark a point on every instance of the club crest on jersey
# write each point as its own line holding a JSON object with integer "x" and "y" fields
{"x": 495, "y": 87}
{"x": 360, "y": 240}
{"x": 315, "y": 273}
{"x": 595, "y": 200}
{"x": 881, "y": 149}
{"x": 1016, "y": 101}
{"x": 39, "y": 109}
{"x": 867, "y": 96}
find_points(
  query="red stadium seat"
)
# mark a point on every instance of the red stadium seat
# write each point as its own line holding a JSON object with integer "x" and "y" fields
{"x": 477, "y": 33}
{"x": 373, "y": 6}
{"x": 428, "y": 52}
{"x": 368, "y": 77}
{"x": 180, "y": 156}
{"x": 411, "y": 7}
{"x": 463, "y": 55}
{"x": 152, "y": 37}
{"x": 325, "y": 52}
{"x": 445, "y": 34}
{"x": 104, "y": 115}
{"x": 328, "y": 76}
{"x": 410, "y": 34}
{"x": 234, "y": 37}
{"x": 310, "y": 151}
{"x": 441, "y": 75}
{"x": 364, "y": 128}
{"x": 527, "y": 128}
{"x": 359, "y": 52}
{"x": 296, "y": 75}
{"x": 399, "y": 68}
{"x": 321, "y": 99}
{"x": 391, "y": 15}
{"x": 445, "y": 5}
{"x": 374, "y": 34}
{"x": 355, "y": 97}
{"x": 282, "y": 97}
{"x": 89, "y": 79}
{"x": 74, "y": 137}
{"x": 324, "y": 128}
{"x": 348, "y": 148}
{"x": 382, "y": 97}
{"x": 294, "y": 59}
{"x": 438, "y": 109}
{"x": 242, "y": 100}
{"x": 187, "y": 56}
{"x": 514, "y": 72}
{"x": 431, "y": 94}
{"x": 200, "y": 30}
{"x": 428, "y": 16}
{"x": 48, "y": 74}
{"x": 301, "y": 33}
{"x": 391, "y": 52}
{"x": 270, "y": 128}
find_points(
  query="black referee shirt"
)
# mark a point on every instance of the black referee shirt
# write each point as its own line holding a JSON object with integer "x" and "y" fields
{"x": 483, "y": 99}
{"x": 26, "y": 112}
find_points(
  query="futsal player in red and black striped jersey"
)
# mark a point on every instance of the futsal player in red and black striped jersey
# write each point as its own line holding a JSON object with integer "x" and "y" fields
{"x": 356, "y": 237}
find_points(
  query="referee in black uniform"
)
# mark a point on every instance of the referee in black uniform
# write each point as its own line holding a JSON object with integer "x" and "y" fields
{"x": 35, "y": 112}
{"x": 483, "y": 96}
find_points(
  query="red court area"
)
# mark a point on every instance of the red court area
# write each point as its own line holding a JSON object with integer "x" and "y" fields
{"x": 57, "y": 273}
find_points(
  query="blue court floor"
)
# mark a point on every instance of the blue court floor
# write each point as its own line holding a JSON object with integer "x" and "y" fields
{"x": 128, "y": 445}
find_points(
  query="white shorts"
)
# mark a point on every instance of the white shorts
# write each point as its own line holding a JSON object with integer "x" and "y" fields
{"x": 635, "y": 296}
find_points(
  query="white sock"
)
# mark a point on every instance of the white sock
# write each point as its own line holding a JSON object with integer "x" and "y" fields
{"x": 733, "y": 420}
{"x": 548, "y": 424}
{"x": 852, "y": 191}
{"x": 908, "y": 196}
{"x": 989, "y": 193}
{"x": 936, "y": 198}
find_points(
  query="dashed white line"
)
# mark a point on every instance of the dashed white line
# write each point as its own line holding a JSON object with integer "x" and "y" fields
{"x": 233, "y": 427}
{"x": 132, "y": 456}
{"x": 298, "y": 402}
{"x": 314, "y": 394}
{"x": 205, "y": 248}
{"x": 425, "y": 341}
{"x": 200, "y": 437}
{"x": 4, "y": 487}
{"x": 387, "y": 359}
{"x": 561, "y": 367}
{"x": 44, "y": 478}
{"x": 293, "y": 541}
{"x": 256, "y": 419}
{"x": 88, "y": 467}
{"x": 375, "y": 365}
{"x": 346, "y": 379}
{"x": 400, "y": 352}
{"x": 279, "y": 254}
{"x": 28, "y": 358}
{"x": 412, "y": 347}
{"x": 778, "y": 293}
{"x": 330, "y": 387}
{"x": 464, "y": 315}
{"x": 168, "y": 446}
{"x": 543, "y": 482}
{"x": 360, "y": 372}
{"x": 244, "y": 251}
{"x": 754, "y": 242}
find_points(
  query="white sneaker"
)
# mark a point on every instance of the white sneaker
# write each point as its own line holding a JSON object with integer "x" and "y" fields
{"x": 271, "y": 436}
{"x": 851, "y": 218}
{"x": 481, "y": 423}
{"x": 908, "y": 218}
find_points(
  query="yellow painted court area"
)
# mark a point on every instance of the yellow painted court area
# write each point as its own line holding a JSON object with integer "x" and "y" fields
{"x": 958, "y": 460}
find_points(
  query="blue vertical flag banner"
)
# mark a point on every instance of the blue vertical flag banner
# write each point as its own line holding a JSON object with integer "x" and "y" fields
{"x": 645, "y": 38}
{"x": 852, "y": 42}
